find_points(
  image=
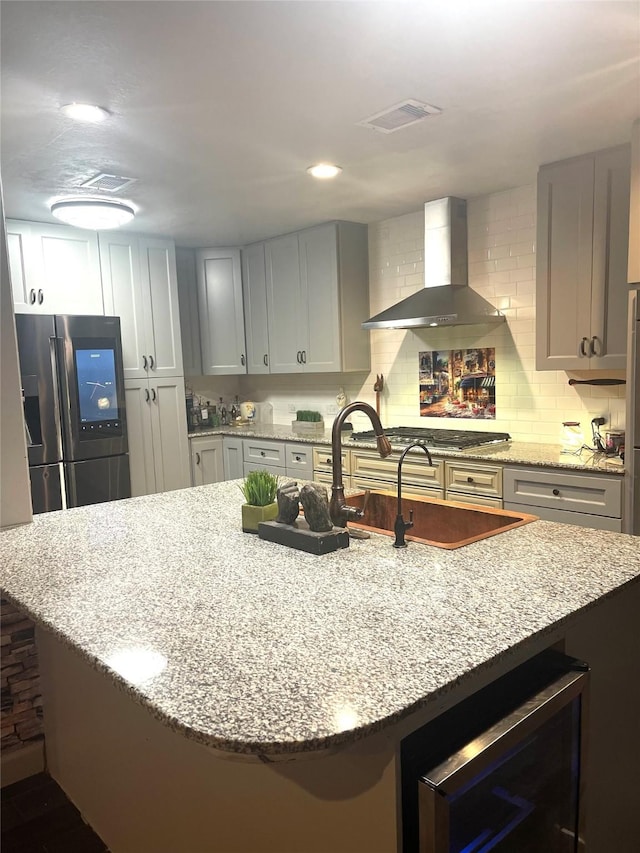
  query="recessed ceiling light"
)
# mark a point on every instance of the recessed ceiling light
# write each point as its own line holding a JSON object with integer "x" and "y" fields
{"x": 95, "y": 214}
{"x": 324, "y": 170}
{"x": 85, "y": 112}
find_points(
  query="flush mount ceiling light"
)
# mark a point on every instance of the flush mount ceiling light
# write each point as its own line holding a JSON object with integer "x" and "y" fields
{"x": 95, "y": 214}
{"x": 85, "y": 112}
{"x": 324, "y": 170}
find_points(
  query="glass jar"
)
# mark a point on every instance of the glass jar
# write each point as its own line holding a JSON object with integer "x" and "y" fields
{"x": 572, "y": 438}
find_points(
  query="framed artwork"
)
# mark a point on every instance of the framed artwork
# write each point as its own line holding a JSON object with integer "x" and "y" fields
{"x": 458, "y": 383}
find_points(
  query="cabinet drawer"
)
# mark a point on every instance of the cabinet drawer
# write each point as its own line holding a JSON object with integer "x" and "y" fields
{"x": 572, "y": 492}
{"x": 268, "y": 452}
{"x": 473, "y": 479}
{"x": 364, "y": 483}
{"x": 416, "y": 471}
{"x": 323, "y": 460}
{"x": 265, "y": 466}
{"x": 299, "y": 459}
{"x": 581, "y": 519}
{"x": 325, "y": 478}
{"x": 477, "y": 500}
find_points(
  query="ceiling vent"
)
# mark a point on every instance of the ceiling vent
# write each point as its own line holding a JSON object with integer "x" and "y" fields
{"x": 108, "y": 183}
{"x": 399, "y": 116}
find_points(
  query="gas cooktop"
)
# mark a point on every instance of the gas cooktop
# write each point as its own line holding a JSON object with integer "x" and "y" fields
{"x": 442, "y": 439}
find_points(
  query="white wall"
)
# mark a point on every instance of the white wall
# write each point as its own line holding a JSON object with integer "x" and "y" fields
{"x": 531, "y": 405}
{"x": 15, "y": 496}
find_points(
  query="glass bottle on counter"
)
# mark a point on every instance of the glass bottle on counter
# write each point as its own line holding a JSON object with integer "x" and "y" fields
{"x": 222, "y": 411}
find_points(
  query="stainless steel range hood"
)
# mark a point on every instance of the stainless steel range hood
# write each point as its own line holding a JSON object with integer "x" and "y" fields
{"x": 446, "y": 299}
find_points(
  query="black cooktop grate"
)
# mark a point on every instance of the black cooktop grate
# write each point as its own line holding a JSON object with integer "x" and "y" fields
{"x": 453, "y": 439}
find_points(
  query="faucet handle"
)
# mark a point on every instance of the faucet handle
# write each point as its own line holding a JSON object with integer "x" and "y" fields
{"x": 367, "y": 495}
{"x": 409, "y": 523}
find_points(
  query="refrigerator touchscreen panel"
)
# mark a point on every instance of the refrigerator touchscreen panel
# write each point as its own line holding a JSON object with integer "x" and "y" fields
{"x": 97, "y": 388}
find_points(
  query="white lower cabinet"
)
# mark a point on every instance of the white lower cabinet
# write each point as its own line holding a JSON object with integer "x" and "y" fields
{"x": 233, "y": 453}
{"x": 157, "y": 433}
{"x": 287, "y": 460}
{"x": 207, "y": 464}
{"x": 585, "y": 499}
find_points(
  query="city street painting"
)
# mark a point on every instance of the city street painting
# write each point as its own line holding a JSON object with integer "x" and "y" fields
{"x": 458, "y": 383}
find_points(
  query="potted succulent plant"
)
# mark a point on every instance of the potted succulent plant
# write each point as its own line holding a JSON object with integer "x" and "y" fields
{"x": 308, "y": 422}
{"x": 259, "y": 489}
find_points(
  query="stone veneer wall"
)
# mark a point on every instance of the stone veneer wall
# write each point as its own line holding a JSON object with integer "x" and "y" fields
{"x": 21, "y": 698}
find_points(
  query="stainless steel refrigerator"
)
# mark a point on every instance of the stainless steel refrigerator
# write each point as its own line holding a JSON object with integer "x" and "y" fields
{"x": 75, "y": 419}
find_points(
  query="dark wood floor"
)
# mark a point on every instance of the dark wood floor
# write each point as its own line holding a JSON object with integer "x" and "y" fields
{"x": 37, "y": 817}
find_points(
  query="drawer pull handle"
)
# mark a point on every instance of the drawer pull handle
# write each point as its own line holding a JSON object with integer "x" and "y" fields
{"x": 40, "y": 297}
{"x": 266, "y": 360}
{"x": 144, "y": 362}
{"x": 152, "y": 363}
{"x": 582, "y": 350}
{"x": 329, "y": 461}
{"x": 262, "y": 453}
{"x": 242, "y": 359}
{"x": 469, "y": 479}
{"x": 556, "y": 492}
{"x": 297, "y": 458}
{"x": 32, "y": 297}
{"x": 197, "y": 458}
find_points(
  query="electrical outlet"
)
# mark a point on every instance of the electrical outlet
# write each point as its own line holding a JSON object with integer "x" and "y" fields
{"x": 293, "y": 408}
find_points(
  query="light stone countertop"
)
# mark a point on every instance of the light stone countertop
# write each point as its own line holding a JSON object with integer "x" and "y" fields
{"x": 514, "y": 452}
{"x": 254, "y": 648}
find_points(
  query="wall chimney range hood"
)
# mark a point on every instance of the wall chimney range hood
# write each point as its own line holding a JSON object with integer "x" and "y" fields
{"x": 446, "y": 299}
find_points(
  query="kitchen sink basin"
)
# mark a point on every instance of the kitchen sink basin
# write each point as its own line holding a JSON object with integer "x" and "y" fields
{"x": 445, "y": 524}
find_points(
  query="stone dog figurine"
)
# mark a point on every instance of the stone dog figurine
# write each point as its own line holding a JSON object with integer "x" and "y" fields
{"x": 315, "y": 503}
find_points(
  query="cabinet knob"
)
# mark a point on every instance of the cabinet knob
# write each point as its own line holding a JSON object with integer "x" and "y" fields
{"x": 262, "y": 453}
{"x": 556, "y": 492}
{"x": 242, "y": 359}
{"x": 297, "y": 458}
{"x": 469, "y": 479}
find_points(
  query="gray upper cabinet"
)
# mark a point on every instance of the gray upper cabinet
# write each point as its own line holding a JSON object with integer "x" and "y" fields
{"x": 221, "y": 311}
{"x": 189, "y": 317}
{"x": 581, "y": 265}
{"x": 317, "y": 297}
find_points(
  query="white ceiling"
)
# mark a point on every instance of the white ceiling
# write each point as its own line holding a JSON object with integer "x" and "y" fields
{"x": 219, "y": 107}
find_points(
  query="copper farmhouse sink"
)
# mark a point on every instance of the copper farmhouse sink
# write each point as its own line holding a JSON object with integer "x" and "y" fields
{"x": 445, "y": 524}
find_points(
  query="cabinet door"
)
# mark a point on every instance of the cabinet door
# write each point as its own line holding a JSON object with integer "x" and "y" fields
{"x": 139, "y": 434}
{"x": 71, "y": 282}
{"x": 124, "y": 298}
{"x": 287, "y": 324}
{"x": 206, "y": 461}
{"x": 169, "y": 428}
{"x": 189, "y": 318}
{"x": 162, "y": 314}
{"x": 319, "y": 299}
{"x": 254, "y": 288}
{"x": 221, "y": 311}
{"x": 233, "y": 458}
{"x": 24, "y": 278}
{"x": 564, "y": 264}
{"x": 609, "y": 290}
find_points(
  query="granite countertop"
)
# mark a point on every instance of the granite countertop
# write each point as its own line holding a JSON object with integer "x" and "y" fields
{"x": 514, "y": 452}
{"x": 253, "y": 648}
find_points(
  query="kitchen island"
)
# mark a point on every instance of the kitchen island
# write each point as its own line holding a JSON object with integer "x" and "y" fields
{"x": 170, "y": 641}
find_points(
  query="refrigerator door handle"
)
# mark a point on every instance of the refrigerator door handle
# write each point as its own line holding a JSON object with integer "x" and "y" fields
{"x": 53, "y": 352}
